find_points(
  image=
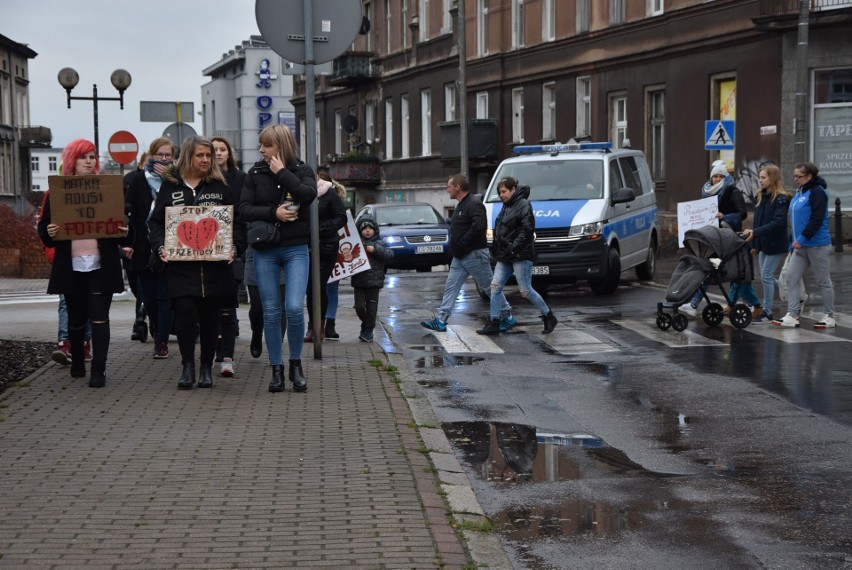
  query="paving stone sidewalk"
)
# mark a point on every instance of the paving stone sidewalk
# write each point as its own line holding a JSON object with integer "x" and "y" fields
{"x": 141, "y": 474}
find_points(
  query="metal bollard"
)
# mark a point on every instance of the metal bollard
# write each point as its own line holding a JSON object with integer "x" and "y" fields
{"x": 838, "y": 227}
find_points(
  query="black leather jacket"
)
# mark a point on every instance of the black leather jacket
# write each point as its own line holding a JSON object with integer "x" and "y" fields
{"x": 514, "y": 230}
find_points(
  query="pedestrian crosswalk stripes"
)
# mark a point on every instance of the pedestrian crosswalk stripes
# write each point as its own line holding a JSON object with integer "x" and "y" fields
{"x": 566, "y": 340}
{"x": 684, "y": 339}
{"x": 459, "y": 339}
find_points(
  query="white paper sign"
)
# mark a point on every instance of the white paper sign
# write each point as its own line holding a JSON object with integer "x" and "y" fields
{"x": 695, "y": 214}
{"x": 351, "y": 257}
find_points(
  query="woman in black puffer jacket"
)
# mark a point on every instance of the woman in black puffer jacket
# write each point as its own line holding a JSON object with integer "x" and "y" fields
{"x": 279, "y": 189}
{"x": 513, "y": 250}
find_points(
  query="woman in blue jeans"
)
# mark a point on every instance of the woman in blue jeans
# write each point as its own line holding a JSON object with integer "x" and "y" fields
{"x": 512, "y": 249}
{"x": 279, "y": 189}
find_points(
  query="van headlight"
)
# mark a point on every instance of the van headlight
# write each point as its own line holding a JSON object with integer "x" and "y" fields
{"x": 586, "y": 230}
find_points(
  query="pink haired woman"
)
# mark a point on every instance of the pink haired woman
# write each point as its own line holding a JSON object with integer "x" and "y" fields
{"x": 86, "y": 271}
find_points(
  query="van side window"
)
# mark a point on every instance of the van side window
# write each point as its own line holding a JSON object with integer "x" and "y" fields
{"x": 615, "y": 179}
{"x": 632, "y": 178}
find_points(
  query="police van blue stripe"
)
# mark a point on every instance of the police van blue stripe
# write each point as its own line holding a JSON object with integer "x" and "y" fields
{"x": 632, "y": 225}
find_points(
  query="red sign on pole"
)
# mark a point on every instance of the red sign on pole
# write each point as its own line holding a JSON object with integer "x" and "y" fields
{"x": 123, "y": 147}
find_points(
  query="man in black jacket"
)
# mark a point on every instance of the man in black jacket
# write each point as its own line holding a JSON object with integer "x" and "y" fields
{"x": 470, "y": 255}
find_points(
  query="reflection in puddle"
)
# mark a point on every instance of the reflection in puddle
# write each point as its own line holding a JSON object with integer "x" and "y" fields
{"x": 445, "y": 361}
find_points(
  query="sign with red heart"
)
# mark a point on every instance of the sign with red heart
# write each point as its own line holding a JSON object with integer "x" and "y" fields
{"x": 199, "y": 233}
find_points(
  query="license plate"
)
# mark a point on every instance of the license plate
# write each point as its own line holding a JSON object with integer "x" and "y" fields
{"x": 541, "y": 270}
{"x": 429, "y": 249}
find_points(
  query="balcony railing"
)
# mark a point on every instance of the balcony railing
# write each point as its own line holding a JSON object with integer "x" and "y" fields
{"x": 784, "y": 7}
{"x": 354, "y": 68}
{"x": 35, "y": 136}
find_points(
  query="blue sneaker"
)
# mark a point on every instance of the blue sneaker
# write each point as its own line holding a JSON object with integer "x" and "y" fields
{"x": 507, "y": 322}
{"x": 435, "y": 325}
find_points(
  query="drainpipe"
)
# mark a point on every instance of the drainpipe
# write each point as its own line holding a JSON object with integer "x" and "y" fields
{"x": 800, "y": 125}
{"x": 462, "y": 85}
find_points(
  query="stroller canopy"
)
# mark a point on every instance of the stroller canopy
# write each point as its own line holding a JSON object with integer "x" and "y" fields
{"x": 711, "y": 241}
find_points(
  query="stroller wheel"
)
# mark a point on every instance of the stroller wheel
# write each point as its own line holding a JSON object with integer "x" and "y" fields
{"x": 664, "y": 321}
{"x": 740, "y": 316}
{"x": 679, "y": 322}
{"x": 713, "y": 314}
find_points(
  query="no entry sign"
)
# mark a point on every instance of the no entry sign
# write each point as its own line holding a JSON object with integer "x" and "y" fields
{"x": 123, "y": 147}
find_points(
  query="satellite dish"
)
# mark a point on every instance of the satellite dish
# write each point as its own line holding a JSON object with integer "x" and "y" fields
{"x": 350, "y": 124}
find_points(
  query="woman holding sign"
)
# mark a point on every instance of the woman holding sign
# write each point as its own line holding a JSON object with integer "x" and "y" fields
{"x": 86, "y": 271}
{"x": 199, "y": 287}
{"x": 277, "y": 192}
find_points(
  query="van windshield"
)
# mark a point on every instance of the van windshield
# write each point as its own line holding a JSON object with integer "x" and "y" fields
{"x": 554, "y": 179}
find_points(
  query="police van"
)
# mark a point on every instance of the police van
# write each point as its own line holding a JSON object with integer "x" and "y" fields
{"x": 595, "y": 211}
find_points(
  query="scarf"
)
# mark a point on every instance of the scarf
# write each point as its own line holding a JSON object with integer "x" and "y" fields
{"x": 718, "y": 188}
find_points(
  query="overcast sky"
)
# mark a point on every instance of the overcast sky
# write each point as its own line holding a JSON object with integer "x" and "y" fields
{"x": 163, "y": 45}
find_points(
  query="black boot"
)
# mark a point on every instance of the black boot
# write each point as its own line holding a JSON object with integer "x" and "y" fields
{"x": 297, "y": 377}
{"x": 330, "y": 333}
{"x": 78, "y": 363}
{"x": 491, "y": 329}
{"x": 205, "y": 377}
{"x": 549, "y": 321}
{"x": 277, "y": 384}
{"x": 187, "y": 378}
{"x": 256, "y": 346}
{"x": 98, "y": 377}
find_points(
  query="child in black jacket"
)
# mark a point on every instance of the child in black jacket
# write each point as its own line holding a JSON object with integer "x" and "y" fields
{"x": 367, "y": 284}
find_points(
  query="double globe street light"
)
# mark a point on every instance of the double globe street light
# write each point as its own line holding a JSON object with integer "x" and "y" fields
{"x": 120, "y": 79}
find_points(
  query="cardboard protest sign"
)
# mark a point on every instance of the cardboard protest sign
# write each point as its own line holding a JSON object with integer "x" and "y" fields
{"x": 351, "y": 257}
{"x": 695, "y": 214}
{"x": 199, "y": 233}
{"x": 86, "y": 207}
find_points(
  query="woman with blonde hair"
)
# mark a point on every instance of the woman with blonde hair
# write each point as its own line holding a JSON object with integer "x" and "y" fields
{"x": 278, "y": 190}
{"x": 769, "y": 236}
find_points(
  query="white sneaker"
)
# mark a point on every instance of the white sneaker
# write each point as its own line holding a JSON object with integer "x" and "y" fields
{"x": 228, "y": 368}
{"x": 689, "y": 310}
{"x": 788, "y": 321}
{"x": 826, "y": 322}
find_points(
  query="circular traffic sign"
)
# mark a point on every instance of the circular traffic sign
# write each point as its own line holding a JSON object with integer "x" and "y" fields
{"x": 282, "y": 25}
{"x": 123, "y": 147}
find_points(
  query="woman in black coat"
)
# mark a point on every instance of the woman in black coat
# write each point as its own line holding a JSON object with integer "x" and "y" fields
{"x": 332, "y": 217}
{"x": 86, "y": 271}
{"x": 198, "y": 289}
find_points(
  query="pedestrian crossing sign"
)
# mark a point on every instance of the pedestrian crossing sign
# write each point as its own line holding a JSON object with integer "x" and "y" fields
{"x": 719, "y": 135}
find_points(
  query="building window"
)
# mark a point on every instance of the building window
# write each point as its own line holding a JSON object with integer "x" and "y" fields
{"x": 403, "y": 21}
{"x": 618, "y": 119}
{"x": 584, "y": 13}
{"x": 406, "y": 126}
{"x": 518, "y": 115}
{"x": 368, "y": 11}
{"x": 724, "y": 107}
{"x": 482, "y": 27}
{"x": 447, "y": 25}
{"x": 517, "y": 23}
{"x": 2, "y": 106}
{"x": 656, "y": 132}
{"x": 656, "y": 7}
{"x": 424, "y": 20}
{"x": 388, "y": 128}
{"x": 51, "y": 163}
{"x": 318, "y": 139}
{"x": 370, "y": 122}
{"x": 830, "y": 133}
{"x": 34, "y": 163}
{"x": 482, "y": 105}
{"x": 450, "y": 102}
{"x": 616, "y": 11}
{"x": 36, "y": 187}
{"x": 548, "y": 111}
{"x": 303, "y": 141}
{"x": 425, "y": 122}
{"x": 548, "y": 20}
{"x": 584, "y": 106}
{"x": 338, "y": 132}
{"x": 388, "y": 26}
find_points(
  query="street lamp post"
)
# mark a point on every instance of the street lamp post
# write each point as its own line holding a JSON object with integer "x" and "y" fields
{"x": 120, "y": 79}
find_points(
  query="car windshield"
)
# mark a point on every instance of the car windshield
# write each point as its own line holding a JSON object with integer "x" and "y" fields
{"x": 553, "y": 179}
{"x": 407, "y": 215}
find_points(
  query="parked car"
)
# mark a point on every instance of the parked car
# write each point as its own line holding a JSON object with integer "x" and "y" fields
{"x": 415, "y": 231}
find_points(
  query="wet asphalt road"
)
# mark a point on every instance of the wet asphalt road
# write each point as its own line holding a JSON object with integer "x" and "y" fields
{"x": 614, "y": 444}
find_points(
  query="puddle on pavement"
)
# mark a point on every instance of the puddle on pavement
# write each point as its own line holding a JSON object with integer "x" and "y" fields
{"x": 445, "y": 361}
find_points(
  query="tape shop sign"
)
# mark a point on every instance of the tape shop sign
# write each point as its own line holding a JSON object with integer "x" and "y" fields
{"x": 86, "y": 207}
{"x": 199, "y": 233}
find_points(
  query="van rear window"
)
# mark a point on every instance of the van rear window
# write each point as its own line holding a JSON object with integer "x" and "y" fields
{"x": 553, "y": 180}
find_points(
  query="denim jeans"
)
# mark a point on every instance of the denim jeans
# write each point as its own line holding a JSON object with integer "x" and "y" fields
{"x": 295, "y": 262}
{"x": 746, "y": 292}
{"x": 154, "y": 288}
{"x": 331, "y": 290}
{"x": 477, "y": 265}
{"x": 768, "y": 265}
{"x": 522, "y": 269}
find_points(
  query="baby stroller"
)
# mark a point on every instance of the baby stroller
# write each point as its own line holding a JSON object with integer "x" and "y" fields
{"x": 716, "y": 255}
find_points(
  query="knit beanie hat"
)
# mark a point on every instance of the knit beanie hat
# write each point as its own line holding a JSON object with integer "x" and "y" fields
{"x": 367, "y": 221}
{"x": 719, "y": 169}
